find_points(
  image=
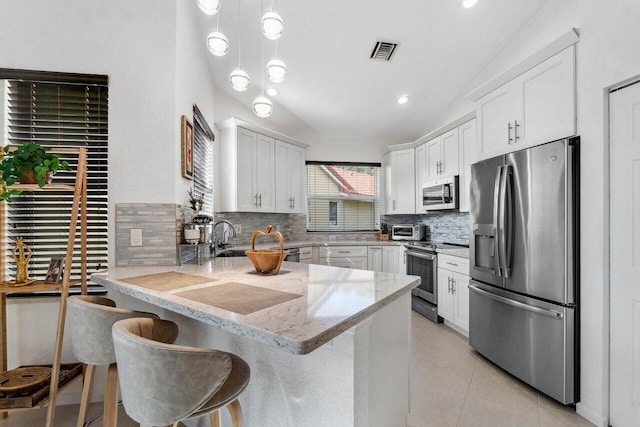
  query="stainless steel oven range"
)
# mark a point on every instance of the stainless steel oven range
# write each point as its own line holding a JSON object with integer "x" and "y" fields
{"x": 422, "y": 261}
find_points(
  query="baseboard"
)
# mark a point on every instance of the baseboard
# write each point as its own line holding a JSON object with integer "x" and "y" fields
{"x": 591, "y": 416}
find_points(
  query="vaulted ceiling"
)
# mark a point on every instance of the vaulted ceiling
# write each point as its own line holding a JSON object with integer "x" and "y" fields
{"x": 332, "y": 85}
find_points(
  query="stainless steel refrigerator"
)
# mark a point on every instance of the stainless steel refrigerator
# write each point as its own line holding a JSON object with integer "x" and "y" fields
{"x": 523, "y": 299}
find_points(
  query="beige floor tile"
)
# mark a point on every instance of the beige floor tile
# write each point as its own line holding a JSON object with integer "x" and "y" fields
{"x": 554, "y": 414}
{"x": 17, "y": 419}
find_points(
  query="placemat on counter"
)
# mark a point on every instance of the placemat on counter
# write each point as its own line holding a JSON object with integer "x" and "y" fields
{"x": 238, "y": 297}
{"x": 167, "y": 281}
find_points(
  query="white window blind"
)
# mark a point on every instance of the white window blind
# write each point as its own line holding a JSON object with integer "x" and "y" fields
{"x": 343, "y": 196}
{"x": 71, "y": 113}
{"x": 202, "y": 160}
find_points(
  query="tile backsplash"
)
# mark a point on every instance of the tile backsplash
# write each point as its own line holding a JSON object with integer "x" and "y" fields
{"x": 450, "y": 226}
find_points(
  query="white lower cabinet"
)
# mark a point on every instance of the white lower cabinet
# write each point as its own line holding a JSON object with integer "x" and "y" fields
{"x": 384, "y": 259}
{"x": 306, "y": 255}
{"x": 453, "y": 291}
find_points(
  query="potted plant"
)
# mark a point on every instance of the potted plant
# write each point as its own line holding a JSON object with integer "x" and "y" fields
{"x": 29, "y": 163}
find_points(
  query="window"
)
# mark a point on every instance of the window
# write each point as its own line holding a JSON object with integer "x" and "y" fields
{"x": 57, "y": 110}
{"x": 203, "y": 159}
{"x": 343, "y": 196}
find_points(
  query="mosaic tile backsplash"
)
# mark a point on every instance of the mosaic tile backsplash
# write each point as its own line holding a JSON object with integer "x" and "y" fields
{"x": 451, "y": 227}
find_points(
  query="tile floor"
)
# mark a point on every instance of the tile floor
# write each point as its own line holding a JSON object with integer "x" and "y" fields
{"x": 452, "y": 385}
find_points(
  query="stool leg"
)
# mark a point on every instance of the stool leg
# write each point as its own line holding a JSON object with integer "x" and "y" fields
{"x": 87, "y": 385}
{"x": 111, "y": 397}
{"x": 235, "y": 410}
{"x": 214, "y": 419}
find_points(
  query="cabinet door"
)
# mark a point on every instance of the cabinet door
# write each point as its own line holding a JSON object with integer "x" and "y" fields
{"x": 449, "y": 148}
{"x": 461, "y": 297}
{"x": 434, "y": 157}
{"x": 496, "y": 113}
{"x": 467, "y": 155}
{"x": 390, "y": 259}
{"x": 548, "y": 100}
{"x": 421, "y": 174}
{"x": 283, "y": 195}
{"x": 445, "y": 297}
{"x": 297, "y": 179}
{"x": 389, "y": 184}
{"x": 246, "y": 196}
{"x": 374, "y": 258}
{"x": 403, "y": 164}
{"x": 265, "y": 174}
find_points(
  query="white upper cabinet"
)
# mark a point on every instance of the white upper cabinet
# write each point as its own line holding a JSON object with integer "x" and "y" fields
{"x": 247, "y": 172}
{"x": 442, "y": 156}
{"x": 290, "y": 178}
{"x": 467, "y": 156}
{"x": 536, "y": 107}
{"x": 400, "y": 182}
{"x": 421, "y": 173}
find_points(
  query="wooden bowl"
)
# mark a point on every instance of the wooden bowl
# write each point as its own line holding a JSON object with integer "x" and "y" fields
{"x": 266, "y": 261}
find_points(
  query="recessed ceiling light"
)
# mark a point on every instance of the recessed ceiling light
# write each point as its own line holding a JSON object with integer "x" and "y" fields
{"x": 403, "y": 99}
{"x": 272, "y": 91}
{"x": 468, "y": 3}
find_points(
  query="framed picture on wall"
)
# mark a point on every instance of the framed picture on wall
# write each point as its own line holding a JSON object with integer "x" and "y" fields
{"x": 187, "y": 148}
{"x": 54, "y": 273}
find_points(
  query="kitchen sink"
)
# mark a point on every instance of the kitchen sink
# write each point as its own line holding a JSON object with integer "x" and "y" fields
{"x": 231, "y": 253}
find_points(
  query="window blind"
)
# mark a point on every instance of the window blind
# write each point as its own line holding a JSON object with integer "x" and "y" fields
{"x": 59, "y": 114}
{"x": 343, "y": 197}
{"x": 202, "y": 160}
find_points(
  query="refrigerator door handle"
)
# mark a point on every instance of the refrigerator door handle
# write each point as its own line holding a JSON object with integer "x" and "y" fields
{"x": 506, "y": 217}
{"x": 537, "y": 310}
{"x": 496, "y": 211}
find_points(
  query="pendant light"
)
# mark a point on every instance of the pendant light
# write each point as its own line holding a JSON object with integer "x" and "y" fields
{"x": 276, "y": 69}
{"x": 272, "y": 25}
{"x": 210, "y": 7}
{"x": 239, "y": 78}
{"x": 217, "y": 42}
{"x": 262, "y": 106}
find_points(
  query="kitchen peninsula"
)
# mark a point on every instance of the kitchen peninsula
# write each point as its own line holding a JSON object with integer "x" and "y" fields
{"x": 327, "y": 346}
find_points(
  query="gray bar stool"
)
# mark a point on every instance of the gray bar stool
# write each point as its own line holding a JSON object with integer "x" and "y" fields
{"x": 162, "y": 383}
{"x": 91, "y": 319}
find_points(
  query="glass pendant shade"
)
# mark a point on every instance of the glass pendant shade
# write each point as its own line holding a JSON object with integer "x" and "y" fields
{"x": 272, "y": 25}
{"x": 217, "y": 43}
{"x": 276, "y": 70}
{"x": 262, "y": 106}
{"x": 210, "y": 7}
{"x": 239, "y": 79}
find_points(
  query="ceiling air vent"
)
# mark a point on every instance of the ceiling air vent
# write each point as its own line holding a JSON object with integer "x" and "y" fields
{"x": 382, "y": 51}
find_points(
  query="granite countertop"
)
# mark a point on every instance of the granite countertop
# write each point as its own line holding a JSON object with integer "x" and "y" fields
{"x": 461, "y": 252}
{"x": 328, "y": 300}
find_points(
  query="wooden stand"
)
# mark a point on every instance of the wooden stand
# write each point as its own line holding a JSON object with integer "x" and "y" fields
{"x": 78, "y": 213}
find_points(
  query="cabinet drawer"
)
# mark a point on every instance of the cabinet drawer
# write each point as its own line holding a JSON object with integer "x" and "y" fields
{"x": 454, "y": 263}
{"x": 306, "y": 252}
{"x": 350, "y": 262}
{"x": 343, "y": 251}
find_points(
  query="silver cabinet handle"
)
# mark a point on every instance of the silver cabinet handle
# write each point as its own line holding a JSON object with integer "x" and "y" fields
{"x": 448, "y": 285}
{"x": 515, "y": 130}
{"x": 453, "y": 286}
{"x": 255, "y": 200}
{"x": 451, "y": 263}
{"x": 293, "y": 199}
{"x": 537, "y": 310}
{"x": 260, "y": 200}
{"x": 291, "y": 202}
{"x": 509, "y": 127}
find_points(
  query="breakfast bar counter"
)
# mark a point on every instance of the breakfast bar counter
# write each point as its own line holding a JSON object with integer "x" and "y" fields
{"x": 327, "y": 346}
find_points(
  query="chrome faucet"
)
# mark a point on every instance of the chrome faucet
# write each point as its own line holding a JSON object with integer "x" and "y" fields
{"x": 217, "y": 244}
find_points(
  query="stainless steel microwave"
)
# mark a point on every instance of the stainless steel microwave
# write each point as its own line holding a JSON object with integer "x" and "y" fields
{"x": 440, "y": 194}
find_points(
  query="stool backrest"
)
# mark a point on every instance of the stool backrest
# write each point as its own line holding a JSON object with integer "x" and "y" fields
{"x": 162, "y": 383}
{"x": 90, "y": 319}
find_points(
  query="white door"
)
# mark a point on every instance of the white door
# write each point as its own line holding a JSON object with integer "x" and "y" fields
{"x": 434, "y": 157}
{"x": 374, "y": 258}
{"x": 421, "y": 174}
{"x": 390, "y": 259}
{"x": 247, "y": 196}
{"x": 496, "y": 113}
{"x": 403, "y": 165}
{"x": 624, "y": 352}
{"x": 265, "y": 174}
{"x": 283, "y": 193}
{"x": 461, "y": 309}
{"x": 297, "y": 179}
{"x": 467, "y": 156}
{"x": 445, "y": 297}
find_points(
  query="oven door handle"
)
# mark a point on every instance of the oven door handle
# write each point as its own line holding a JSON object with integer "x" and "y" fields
{"x": 422, "y": 255}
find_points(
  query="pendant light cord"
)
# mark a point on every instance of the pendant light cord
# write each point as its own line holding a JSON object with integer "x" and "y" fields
{"x": 262, "y": 53}
{"x": 239, "y": 36}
